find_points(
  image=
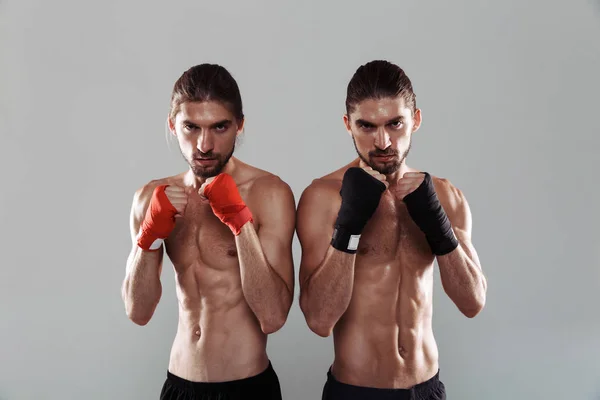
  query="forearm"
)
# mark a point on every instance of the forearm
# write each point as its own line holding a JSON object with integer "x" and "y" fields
{"x": 142, "y": 289}
{"x": 326, "y": 294}
{"x": 463, "y": 280}
{"x": 265, "y": 291}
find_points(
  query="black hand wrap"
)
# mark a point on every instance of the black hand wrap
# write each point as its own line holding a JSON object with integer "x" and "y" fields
{"x": 425, "y": 209}
{"x": 360, "y": 198}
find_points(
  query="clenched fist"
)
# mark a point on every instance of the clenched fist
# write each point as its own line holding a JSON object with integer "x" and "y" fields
{"x": 167, "y": 203}
{"x": 417, "y": 191}
{"x": 178, "y": 198}
{"x": 361, "y": 191}
{"x": 226, "y": 202}
{"x": 375, "y": 174}
{"x": 408, "y": 183}
{"x": 204, "y": 185}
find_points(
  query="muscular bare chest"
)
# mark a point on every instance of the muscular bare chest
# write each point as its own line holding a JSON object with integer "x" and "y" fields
{"x": 391, "y": 236}
{"x": 201, "y": 240}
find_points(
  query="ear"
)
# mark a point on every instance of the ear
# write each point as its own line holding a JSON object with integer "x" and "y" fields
{"x": 171, "y": 125}
{"x": 416, "y": 120}
{"x": 240, "y": 128}
{"x": 346, "y": 119}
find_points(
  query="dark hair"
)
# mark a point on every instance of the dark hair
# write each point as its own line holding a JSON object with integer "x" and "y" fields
{"x": 206, "y": 82}
{"x": 379, "y": 79}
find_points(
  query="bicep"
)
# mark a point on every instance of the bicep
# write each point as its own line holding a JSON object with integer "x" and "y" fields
{"x": 135, "y": 219}
{"x": 314, "y": 227}
{"x": 134, "y": 227}
{"x": 460, "y": 217}
{"x": 276, "y": 232}
{"x": 462, "y": 230}
{"x": 141, "y": 200}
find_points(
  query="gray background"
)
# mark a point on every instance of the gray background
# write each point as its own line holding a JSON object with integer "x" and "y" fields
{"x": 509, "y": 92}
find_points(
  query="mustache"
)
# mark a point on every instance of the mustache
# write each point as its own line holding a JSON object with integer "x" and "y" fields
{"x": 205, "y": 156}
{"x": 385, "y": 153}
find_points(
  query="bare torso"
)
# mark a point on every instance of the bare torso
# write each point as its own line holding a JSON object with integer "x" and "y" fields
{"x": 385, "y": 337}
{"x": 218, "y": 336}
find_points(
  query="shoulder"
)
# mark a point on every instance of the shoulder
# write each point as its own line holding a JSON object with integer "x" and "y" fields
{"x": 321, "y": 190}
{"x": 453, "y": 202}
{"x": 146, "y": 189}
{"x": 272, "y": 202}
{"x": 320, "y": 200}
{"x": 270, "y": 198}
{"x": 268, "y": 186}
{"x": 450, "y": 195}
{"x": 260, "y": 183}
{"x": 324, "y": 188}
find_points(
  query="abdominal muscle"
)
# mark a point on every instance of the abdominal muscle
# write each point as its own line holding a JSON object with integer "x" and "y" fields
{"x": 385, "y": 338}
{"x": 218, "y": 338}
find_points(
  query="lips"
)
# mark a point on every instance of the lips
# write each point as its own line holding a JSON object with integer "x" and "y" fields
{"x": 204, "y": 161}
{"x": 384, "y": 158}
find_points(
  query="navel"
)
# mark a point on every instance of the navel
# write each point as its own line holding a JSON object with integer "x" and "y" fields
{"x": 402, "y": 351}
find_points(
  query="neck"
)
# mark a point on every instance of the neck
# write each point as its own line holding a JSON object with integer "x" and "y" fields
{"x": 195, "y": 181}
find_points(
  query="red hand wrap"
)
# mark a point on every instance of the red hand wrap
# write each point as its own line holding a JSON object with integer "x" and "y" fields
{"x": 226, "y": 203}
{"x": 159, "y": 220}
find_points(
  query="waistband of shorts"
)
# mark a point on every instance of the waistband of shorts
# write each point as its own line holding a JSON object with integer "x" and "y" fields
{"x": 265, "y": 377}
{"x": 422, "y": 388}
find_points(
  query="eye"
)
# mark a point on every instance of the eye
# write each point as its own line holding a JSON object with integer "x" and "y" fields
{"x": 365, "y": 126}
{"x": 221, "y": 128}
{"x": 397, "y": 124}
{"x": 188, "y": 127}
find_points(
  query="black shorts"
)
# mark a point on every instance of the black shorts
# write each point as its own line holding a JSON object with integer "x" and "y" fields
{"x": 432, "y": 389}
{"x": 262, "y": 386}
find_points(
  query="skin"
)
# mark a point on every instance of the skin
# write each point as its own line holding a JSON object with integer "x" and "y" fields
{"x": 378, "y": 302}
{"x": 233, "y": 291}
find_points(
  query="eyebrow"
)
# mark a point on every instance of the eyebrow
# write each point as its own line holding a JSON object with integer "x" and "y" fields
{"x": 365, "y": 122}
{"x": 218, "y": 123}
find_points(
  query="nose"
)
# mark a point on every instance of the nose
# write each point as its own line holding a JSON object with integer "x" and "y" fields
{"x": 382, "y": 139}
{"x": 205, "y": 142}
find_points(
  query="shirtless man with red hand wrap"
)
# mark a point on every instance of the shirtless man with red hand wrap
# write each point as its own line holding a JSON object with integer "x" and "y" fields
{"x": 227, "y": 227}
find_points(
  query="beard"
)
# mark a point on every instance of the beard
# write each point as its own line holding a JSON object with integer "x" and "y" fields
{"x": 385, "y": 167}
{"x": 205, "y": 172}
